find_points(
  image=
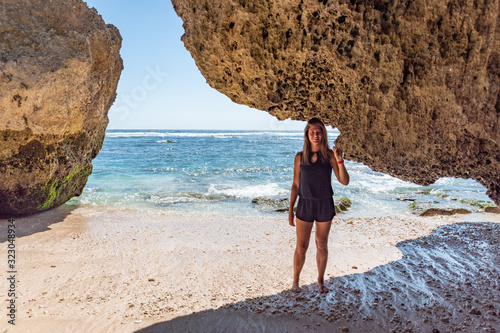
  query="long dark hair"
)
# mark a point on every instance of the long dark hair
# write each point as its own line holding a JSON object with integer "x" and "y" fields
{"x": 307, "y": 144}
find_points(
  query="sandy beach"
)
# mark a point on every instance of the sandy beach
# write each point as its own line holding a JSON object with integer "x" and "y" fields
{"x": 93, "y": 270}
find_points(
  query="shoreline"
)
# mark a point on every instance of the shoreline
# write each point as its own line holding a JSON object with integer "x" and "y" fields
{"x": 86, "y": 269}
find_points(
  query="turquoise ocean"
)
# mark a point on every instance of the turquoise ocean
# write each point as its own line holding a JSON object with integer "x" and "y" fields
{"x": 220, "y": 173}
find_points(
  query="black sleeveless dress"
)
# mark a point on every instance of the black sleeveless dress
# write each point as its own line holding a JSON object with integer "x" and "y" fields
{"x": 315, "y": 191}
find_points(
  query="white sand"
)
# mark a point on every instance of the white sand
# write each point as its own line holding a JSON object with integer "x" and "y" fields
{"x": 82, "y": 270}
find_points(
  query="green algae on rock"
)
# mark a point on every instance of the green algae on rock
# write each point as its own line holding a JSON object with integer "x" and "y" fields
{"x": 342, "y": 204}
{"x": 58, "y": 191}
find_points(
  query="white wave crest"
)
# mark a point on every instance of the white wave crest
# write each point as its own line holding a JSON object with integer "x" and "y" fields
{"x": 267, "y": 190}
{"x": 199, "y": 134}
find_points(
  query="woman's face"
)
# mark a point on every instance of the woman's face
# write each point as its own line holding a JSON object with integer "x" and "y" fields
{"x": 315, "y": 134}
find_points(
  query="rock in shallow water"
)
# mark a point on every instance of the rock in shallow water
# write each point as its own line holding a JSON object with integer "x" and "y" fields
{"x": 494, "y": 210}
{"x": 413, "y": 87}
{"x": 276, "y": 204}
{"x": 59, "y": 68}
{"x": 437, "y": 211}
{"x": 281, "y": 205}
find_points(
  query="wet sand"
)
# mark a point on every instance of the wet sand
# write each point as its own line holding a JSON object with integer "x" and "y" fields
{"x": 83, "y": 270}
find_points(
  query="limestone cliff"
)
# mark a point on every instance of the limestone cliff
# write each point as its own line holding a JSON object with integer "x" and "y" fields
{"x": 413, "y": 86}
{"x": 59, "y": 68}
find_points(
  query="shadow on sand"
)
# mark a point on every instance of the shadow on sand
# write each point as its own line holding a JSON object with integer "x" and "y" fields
{"x": 448, "y": 281}
{"x": 29, "y": 225}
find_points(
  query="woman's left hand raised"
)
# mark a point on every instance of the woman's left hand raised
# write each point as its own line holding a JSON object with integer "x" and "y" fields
{"x": 337, "y": 152}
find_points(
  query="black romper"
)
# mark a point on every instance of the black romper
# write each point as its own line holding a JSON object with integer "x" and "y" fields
{"x": 315, "y": 191}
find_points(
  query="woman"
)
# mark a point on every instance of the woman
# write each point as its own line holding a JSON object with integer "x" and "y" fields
{"x": 312, "y": 183}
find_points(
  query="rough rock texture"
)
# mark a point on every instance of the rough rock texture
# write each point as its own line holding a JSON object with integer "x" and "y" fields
{"x": 413, "y": 86}
{"x": 59, "y": 68}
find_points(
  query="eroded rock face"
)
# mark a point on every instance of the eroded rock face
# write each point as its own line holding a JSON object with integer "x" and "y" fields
{"x": 413, "y": 86}
{"x": 59, "y": 68}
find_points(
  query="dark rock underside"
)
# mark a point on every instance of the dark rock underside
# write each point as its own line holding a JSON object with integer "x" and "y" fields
{"x": 413, "y": 86}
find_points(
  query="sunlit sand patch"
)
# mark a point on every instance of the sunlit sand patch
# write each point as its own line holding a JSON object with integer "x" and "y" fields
{"x": 126, "y": 269}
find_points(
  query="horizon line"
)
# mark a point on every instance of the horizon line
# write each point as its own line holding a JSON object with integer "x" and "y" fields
{"x": 212, "y": 129}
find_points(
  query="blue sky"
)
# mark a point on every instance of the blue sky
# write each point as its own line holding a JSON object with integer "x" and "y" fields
{"x": 160, "y": 86}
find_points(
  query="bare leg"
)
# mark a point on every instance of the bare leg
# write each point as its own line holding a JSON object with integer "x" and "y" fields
{"x": 322, "y": 232}
{"x": 303, "y": 235}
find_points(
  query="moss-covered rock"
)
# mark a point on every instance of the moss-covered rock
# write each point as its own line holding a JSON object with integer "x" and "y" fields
{"x": 415, "y": 205}
{"x": 441, "y": 195}
{"x": 342, "y": 204}
{"x": 477, "y": 203}
{"x": 58, "y": 191}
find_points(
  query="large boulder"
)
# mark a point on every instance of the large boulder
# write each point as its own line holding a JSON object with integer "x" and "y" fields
{"x": 413, "y": 86}
{"x": 59, "y": 68}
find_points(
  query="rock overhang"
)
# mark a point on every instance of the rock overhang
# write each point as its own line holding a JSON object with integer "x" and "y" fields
{"x": 413, "y": 87}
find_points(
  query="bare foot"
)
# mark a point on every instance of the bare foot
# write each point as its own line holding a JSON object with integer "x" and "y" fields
{"x": 322, "y": 288}
{"x": 296, "y": 288}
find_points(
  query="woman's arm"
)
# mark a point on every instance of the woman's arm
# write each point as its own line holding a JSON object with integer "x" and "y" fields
{"x": 339, "y": 169}
{"x": 295, "y": 187}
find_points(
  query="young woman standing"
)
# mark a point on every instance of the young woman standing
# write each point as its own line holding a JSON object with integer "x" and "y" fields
{"x": 312, "y": 183}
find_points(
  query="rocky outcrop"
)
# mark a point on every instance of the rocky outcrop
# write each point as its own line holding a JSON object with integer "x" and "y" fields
{"x": 436, "y": 211}
{"x": 493, "y": 210}
{"x": 413, "y": 86}
{"x": 59, "y": 68}
{"x": 281, "y": 205}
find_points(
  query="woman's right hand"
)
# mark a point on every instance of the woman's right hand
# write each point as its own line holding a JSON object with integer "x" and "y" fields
{"x": 291, "y": 218}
